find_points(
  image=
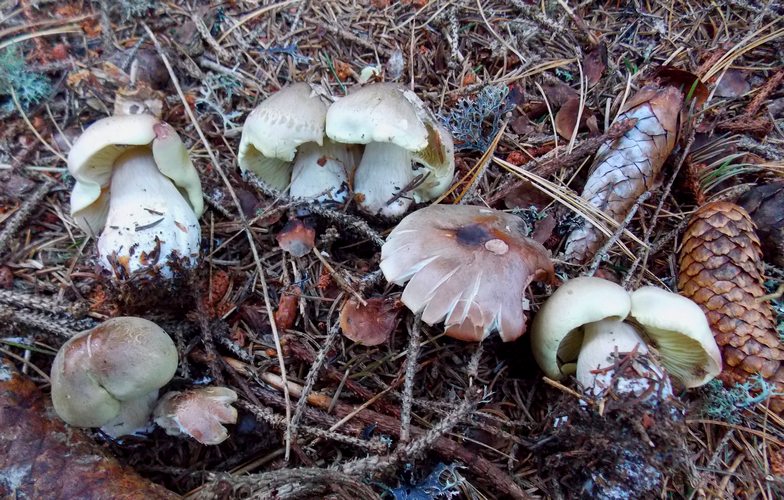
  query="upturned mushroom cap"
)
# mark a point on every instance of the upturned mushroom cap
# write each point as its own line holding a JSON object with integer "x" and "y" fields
{"x": 92, "y": 157}
{"x": 556, "y": 332}
{"x": 678, "y": 329}
{"x": 468, "y": 266}
{"x": 388, "y": 113}
{"x": 97, "y": 371}
{"x": 276, "y": 128}
{"x": 198, "y": 413}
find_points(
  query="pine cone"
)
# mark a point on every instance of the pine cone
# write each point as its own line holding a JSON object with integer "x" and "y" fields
{"x": 628, "y": 166}
{"x": 721, "y": 270}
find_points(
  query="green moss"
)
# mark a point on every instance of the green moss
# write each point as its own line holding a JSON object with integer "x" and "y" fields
{"x": 726, "y": 404}
{"x": 30, "y": 87}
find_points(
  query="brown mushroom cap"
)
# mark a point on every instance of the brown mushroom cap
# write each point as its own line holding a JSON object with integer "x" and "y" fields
{"x": 199, "y": 413}
{"x": 468, "y": 266}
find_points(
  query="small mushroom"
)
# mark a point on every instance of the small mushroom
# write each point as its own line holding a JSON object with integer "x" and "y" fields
{"x": 198, "y": 413}
{"x": 283, "y": 144}
{"x": 297, "y": 237}
{"x": 136, "y": 186}
{"x": 398, "y": 132}
{"x": 109, "y": 376}
{"x": 468, "y": 266}
{"x": 588, "y": 320}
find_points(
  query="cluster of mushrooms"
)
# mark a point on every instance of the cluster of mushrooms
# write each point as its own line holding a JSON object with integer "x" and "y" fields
{"x": 467, "y": 267}
{"x": 380, "y": 140}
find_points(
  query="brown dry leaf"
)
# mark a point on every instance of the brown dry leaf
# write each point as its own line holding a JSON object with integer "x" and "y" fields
{"x": 765, "y": 205}
{"x": 595, "y": 63}
{"x": 733, "y": 84}
{"x": 566, "y": 119}
{"x": 685, "y": 81}
{"x": 628, "y": 166}
{"x": 526, "y": 196}
{"x": 558, "y": 93}
{"x": 42, "y": 458}
{"x": 371, "y": 324}
{"x": 721, "y": 270}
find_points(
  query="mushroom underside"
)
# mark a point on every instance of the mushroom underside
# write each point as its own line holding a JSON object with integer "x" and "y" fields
{"x": 683, "y": 357}
{"x": 569, "y": 349}
{"x": 273, "y": 171}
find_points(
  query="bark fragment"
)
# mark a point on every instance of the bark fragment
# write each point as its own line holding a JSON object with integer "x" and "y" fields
{"x": 765, "y": 205}
{"x": 721, "y": 270}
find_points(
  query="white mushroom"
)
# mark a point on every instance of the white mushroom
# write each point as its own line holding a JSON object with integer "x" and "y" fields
{"x": 588, "y": 321}
{"x": 679, "y": 330}
{"x": 408, "y": 157}
{"x": 136, "y": 184}
{"x": 283, "y": 144}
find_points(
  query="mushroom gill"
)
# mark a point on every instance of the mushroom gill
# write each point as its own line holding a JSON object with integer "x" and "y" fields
{"x": 467, "y": 266}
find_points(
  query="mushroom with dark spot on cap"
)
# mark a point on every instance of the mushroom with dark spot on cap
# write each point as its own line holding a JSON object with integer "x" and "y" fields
{"x": 467, "y": 266}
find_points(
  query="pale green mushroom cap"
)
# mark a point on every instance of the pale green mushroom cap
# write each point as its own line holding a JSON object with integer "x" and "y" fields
{"x": 276, "y": 128}
{"x": 99, "y": 371}
{"x": 556, "y": 332}
{"x": 92, "y": 158}
{"x": 679, "y": 330}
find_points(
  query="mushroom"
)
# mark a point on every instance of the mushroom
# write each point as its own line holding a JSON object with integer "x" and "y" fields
{"x": 588, "y": 321}
{"x": 135, "y": 182}
{"x": 468, "y": 266}
{"x": 283, "y": 144}
{"x": 679, "y": 330}
{"x": 398, "y": 132}
{"x": 198, "y": 413}
{"x": 109, "y": 376}
{"x": 297, "y": 237}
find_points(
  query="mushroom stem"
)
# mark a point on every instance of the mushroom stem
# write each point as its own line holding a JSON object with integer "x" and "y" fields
{"x": 133, "y": 416}
{"x": 384, "y": 171}
{"x": 149, "y": 220}
{"x": 319, "y": 172}
{"x": 595, "y": 366}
